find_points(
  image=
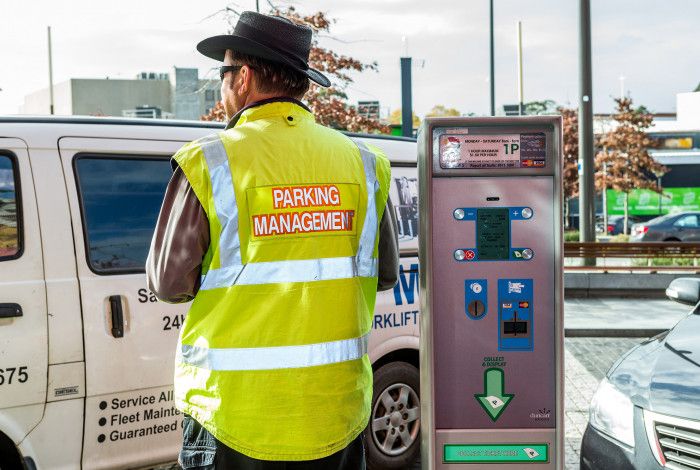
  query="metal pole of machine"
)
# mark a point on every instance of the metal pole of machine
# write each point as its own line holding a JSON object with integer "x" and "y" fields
{"x": 492, "y": 81}
{"x": 50, "y": 74}
{"x": 521, "y": 110}
{"x": 585, "y": 129}
{"x": 406, "y": 98}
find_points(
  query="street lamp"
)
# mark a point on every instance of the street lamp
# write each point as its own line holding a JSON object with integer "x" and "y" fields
{"x": 658, "y": 175}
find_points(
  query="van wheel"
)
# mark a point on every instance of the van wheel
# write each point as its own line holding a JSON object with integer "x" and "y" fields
{"x": 9, "y": 455}
{"x": 393, "y": 434}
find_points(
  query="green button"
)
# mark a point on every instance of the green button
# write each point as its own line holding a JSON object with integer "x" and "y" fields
{"x": 485, "y": 453}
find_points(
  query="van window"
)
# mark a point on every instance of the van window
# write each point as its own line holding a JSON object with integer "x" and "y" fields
{"x": 10, "y": 223}
{"x": 120, "y": 199}
{"x": 404, "y": 196}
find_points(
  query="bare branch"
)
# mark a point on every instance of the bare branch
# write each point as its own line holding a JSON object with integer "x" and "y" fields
{"x": 343, "y": 41}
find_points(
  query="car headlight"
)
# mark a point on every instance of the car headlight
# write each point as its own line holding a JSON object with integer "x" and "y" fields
{"x": 612, "y": 413}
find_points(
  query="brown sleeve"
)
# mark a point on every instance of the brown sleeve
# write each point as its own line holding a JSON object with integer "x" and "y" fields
{"x": 180, "y": 240}
{"x": 388, "y": 249}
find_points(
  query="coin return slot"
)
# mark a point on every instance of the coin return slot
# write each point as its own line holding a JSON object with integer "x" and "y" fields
{"x": 476, "y": 309}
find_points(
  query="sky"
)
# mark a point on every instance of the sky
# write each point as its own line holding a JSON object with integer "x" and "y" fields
{"x": 654, "y": 45}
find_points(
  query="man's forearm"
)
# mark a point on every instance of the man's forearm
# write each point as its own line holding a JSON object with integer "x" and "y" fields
{"x": 180, "y": 240}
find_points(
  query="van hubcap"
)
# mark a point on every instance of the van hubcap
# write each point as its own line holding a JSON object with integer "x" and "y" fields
{"x": 396, "y": 419}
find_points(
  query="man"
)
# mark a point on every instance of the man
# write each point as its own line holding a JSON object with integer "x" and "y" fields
{"x": 285, "y": 221}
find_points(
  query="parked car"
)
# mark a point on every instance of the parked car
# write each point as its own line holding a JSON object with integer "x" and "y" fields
{"x": 616, "y": 224}
{"x": 646, "y": 411}
{"x": 680, "y": 227}
{"x": 86, "y": 350}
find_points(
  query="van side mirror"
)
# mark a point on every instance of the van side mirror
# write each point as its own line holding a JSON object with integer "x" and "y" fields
{"x": 685, "y": 290}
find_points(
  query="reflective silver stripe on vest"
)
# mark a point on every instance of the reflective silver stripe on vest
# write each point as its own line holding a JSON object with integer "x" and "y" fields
{"x": 278, "y": 357}
{"x": 365, "y": 265}
{"x": 233, "y": 272}
{"x": 275, "y": 272}
{"x": 226, "y": 208}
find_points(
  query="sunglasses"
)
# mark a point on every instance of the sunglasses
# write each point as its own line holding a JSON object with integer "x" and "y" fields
{"x": 229, "y": 68}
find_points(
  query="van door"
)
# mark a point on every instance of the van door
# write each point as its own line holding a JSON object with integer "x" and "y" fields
{"x": 23, "y": 316}
{"x": 115, "y": 190}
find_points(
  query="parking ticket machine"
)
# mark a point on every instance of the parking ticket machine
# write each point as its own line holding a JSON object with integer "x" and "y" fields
{"x": 491, "y": 350}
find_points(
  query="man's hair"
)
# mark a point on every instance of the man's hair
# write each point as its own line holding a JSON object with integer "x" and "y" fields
{"x": 272, "y": 77}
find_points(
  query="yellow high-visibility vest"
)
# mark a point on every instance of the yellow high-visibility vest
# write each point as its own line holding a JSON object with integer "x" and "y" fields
{"x": 272, "y": 357}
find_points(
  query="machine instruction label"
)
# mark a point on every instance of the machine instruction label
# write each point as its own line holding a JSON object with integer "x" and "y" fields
{"x": 515, "y": 315}
{"x": 525, "y": 150}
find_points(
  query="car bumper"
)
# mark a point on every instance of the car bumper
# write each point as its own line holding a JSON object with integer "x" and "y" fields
{"x": 599, "y": 452}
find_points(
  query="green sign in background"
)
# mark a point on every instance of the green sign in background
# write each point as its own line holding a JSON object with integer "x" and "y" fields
{"x": 648, "y": 202}
{"x": 491, "y": 453}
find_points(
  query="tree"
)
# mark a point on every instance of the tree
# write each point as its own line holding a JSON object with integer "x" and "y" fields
{"x": 395, "y": 118}
{"x": 440, "y": 110}
{"x": 570, "y": 153}
{"x": 533, "y": 108}
{"x": 216, "y": 113}
{"x": 623, "y": 163}
{"x": 329, "y": 105}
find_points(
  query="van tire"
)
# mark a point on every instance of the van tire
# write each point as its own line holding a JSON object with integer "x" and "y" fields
{"x": 395, "y": 383}
{"x": 9, "y": 455}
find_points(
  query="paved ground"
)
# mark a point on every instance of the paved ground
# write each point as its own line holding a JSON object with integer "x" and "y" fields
{"x": 616, "y": 313}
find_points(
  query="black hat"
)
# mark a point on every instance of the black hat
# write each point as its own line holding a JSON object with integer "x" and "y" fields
{"x": 269, "y": 37}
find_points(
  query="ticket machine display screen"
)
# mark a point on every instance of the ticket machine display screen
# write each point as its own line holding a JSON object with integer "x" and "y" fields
{"x": 493, "y": 234}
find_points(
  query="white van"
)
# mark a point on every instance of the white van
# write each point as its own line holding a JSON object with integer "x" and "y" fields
{"x": 86, "y": 350}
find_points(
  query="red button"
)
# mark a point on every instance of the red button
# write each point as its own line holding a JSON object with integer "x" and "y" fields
{"x": 469, "y": 255}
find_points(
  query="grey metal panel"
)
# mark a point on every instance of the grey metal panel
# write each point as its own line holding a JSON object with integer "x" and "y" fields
{"x": 463, "y": 342}
{"x": 440, "y": 193}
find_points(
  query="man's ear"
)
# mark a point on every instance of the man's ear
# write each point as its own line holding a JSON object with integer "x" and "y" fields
{"x": 246, "y": 77}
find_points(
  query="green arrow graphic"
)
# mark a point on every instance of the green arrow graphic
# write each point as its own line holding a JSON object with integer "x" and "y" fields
{"x": 494, "y": 400}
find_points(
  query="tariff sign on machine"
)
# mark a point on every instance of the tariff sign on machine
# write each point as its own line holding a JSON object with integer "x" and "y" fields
{"x": 491, "y": 293}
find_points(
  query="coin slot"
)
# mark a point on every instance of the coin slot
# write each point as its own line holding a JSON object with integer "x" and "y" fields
{"x": 476, "y": 308}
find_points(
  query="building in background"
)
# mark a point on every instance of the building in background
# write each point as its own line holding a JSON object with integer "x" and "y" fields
{"x": 679, "y": 151}
{"x": 678, "y": 137}
{"x": 368, "y": 109}
{"x": 145, "y": 112}
{"x": 177, "y": 95}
